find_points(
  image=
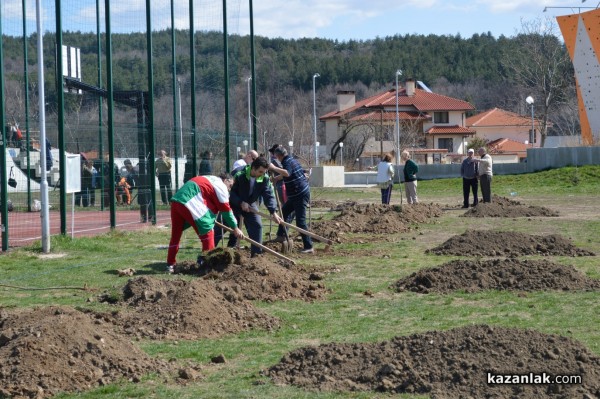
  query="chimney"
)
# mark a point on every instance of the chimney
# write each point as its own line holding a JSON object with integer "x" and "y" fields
{"x": 345, "y": 99}
{"x": 409, "y": 87}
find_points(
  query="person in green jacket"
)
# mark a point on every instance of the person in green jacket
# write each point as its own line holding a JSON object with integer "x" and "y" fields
{"x": 410, "y": 178}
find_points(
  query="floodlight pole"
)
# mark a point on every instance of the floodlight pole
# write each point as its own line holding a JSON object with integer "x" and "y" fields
{"x": 398, "y": 73}
{"x": 249, "y": 113}
{"x": 529, "y": 100}
{"x": 315, "y": 76}
{"x": 42, "y": 122}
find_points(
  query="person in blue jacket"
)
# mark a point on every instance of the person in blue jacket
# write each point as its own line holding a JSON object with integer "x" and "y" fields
{"x": 250, "y": 184}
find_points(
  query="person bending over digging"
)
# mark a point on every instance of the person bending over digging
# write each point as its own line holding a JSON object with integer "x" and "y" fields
{"x": 249, "y": 186}
{"x": 197, "y": 204}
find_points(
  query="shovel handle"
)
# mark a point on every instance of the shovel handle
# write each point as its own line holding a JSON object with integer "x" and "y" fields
{"x": 263, "y": 247}
{"x": 306, "y": 232}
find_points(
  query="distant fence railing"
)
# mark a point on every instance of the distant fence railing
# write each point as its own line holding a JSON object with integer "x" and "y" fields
{"x": 538, "y": 159}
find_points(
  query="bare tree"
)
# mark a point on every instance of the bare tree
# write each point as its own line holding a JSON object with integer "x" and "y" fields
{"x": 540, "y": 63}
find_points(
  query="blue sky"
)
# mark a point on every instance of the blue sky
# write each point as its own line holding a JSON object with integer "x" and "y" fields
{"x": 332, "y": 19}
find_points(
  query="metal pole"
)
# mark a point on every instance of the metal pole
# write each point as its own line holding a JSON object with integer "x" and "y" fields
{"x": 150, "y": 163}
{"x": 532, "y": 136}
{"x": 26, "y": 85}
{"x": 176, "y": 97}
{"x": 249, "y": 113}
{"x": 226, "y": 82}
{"x": 60, "y": 99}
{"x": 180, "y": 135}
{"x": 193, "y": 89}
{"x": 111, "y": 118}
{"x": 398, "y": 73}
{"x": 315, "y": 76}
{"x": 42, "y": 122}
{"x": 253, "y": 70}
{"x": 3, "y": 132}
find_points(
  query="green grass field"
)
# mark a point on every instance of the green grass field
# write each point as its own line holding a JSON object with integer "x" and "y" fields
{"x": 347, "y": 315}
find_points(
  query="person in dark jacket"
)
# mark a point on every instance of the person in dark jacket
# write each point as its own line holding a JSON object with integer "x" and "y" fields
{"x": 469, "y": 171}
{"x": 298, "y": 195}
{"x": 249, "y": 186}
{"x": 144, "y": 199}
{"x": 410, "y": 178}
{"x": 205, "y": 167}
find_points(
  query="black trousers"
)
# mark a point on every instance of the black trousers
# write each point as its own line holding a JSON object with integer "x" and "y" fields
{"x": 468, "y": 186}
{"x": 486, "y": 187}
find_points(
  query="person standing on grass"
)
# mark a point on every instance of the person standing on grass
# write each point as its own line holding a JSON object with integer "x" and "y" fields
{"x": 197, "y": 204}
{"x": 485, "y": 174}
{"x": 410, "y": 177}
{"x": 163, "y": 172}
{"x": 469, "y": 171}
{"x": 250, "y": 185}
{"x": 298, "y": 195}
{"x": 385, "y": 178}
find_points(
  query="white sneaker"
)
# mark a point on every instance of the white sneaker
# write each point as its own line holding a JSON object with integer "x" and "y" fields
{"x": 171, "y": 269}
{"x": 308, "y": 251}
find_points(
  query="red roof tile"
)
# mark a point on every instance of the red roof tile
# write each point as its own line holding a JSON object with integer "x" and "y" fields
{"x": 391, "y": 116}
{"x": 455, "y": 129}
{"x": 421, "y": 101}
{"x": 498, "y": 117}
{"x": 507, "y": 146}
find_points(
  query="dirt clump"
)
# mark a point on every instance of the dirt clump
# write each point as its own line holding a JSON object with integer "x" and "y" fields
{"x": 502, "y": 207}
{"x": 503, "y": 243}
{"x": 49, "y": 350}
{"x": 154, "y": 308}
{"x": 497, "y": 274}
{"x": 376, "y": 219}
{"x": 260, "y": 278}
{"x": 450, "y": 364}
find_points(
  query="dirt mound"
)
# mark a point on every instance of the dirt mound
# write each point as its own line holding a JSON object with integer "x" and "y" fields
{"x": 502, "y": 207}
{"x": 497, "y": 274}
{"x": 376, "y": 219}
{"x": 257, "y": 278}
{"x": 450, "y": 364}
{"x": 178, "y": 309}
{"x": 45, "y": 351}
{"x": 502, "y": 243}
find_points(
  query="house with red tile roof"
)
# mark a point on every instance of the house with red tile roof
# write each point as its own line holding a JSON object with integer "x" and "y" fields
{"x": 432, "y": 126}
{"x": 497, "y": 123}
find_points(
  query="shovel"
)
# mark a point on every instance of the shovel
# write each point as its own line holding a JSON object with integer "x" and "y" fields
{"x": 317, "y": 237}
{"x": 263, "y": 247}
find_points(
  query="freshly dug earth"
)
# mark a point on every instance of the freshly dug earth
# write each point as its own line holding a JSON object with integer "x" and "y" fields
{"x": 49, "y": 350}
{"x": 376, "y": 219}
{"x": 502, "y": 243}
{"x": 261, "y": 278}
{"x": 497, "y": 274}
{"x": 449, "y": 364}
{"x": 178, "y": 309}
{"x": 502, "y": 207}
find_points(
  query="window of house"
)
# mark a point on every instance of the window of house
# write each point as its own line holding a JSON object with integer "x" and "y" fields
{"x": 447, "y": 144}
{"x": 441, "y": 117}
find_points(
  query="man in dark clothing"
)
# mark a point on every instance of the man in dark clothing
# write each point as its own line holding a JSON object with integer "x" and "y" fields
{"x": 469, "y": 171}
{"x": 298, "y": 195}
{"x": 144, "y": 198}
{"x": 249, "y": 185}
{"x": 205, "y": 167}
{"x": 279, "y": 184}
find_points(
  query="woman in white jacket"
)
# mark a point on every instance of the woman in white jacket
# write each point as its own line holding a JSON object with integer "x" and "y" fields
{"x": 385, "y": 178}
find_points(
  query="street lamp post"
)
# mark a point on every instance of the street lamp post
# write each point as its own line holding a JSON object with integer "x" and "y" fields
{"x": 398, "y": 73}
{"x": 529, "y": 100}
{"x": 342, "y": 154}
{"x": 315, "y": 76}
{"x": 245, "y": 143}
{"x": 291, "y": 144}
{"x": 249, "y": 112}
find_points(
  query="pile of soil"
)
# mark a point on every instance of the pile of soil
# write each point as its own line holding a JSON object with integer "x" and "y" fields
{"x": 450, "y": 364}
{"x": 49, "y": 350}
{"x": 376, "y": 219}
{"x": 176, "y": 309}
{"x": 497, "y": 274}
{"x": 502, "y": 207}
{"x": 260, "y": 278}
{"x": 501, "y": 243}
